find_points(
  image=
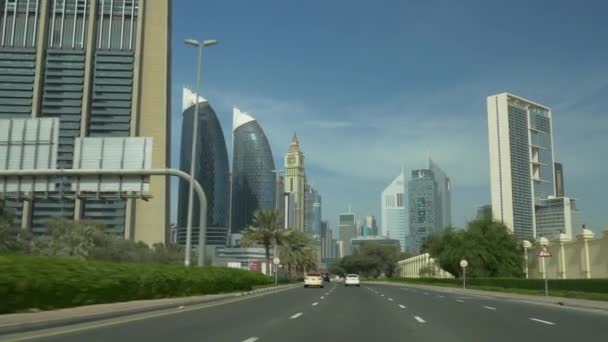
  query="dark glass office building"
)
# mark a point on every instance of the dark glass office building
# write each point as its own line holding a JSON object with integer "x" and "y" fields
{"x": 253, "y": 182}
{"x": 212, "y": 172}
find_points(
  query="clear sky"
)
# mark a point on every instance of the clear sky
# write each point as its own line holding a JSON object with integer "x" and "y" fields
{"x": 372, "y": 85}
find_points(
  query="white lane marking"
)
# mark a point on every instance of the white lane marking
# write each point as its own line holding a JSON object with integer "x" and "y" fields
{"x": 391, "y": 299}
{"x": 315, "y": 303}
{"x": 426, "y": 293}
{"x": 382, "y": 295}
{"x": 419, "y": 319}
{"x": 322, "y": 297}
{"x": 541, "y": 321}
{"x": 181, "y": 307}
{"x": 489, "y": 307}
{"x": 296, "y": 315}
{"x": 440, "y": 296}
{"x": 251, "y": 339}
{"x": 402, "y": 306}
{"x": 460, "y": 301}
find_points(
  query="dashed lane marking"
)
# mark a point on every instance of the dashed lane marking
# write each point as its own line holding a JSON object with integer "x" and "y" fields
{"x": 489, "y": 307}
{"x": 251, "y": 339}
{"x": 315, "y": 303}
{"x": 419, "y": 319}
{"x": 296, "y": 315}
{"x": 541, "y": 321}
{"x": 460, "y": 300}
{"x": 402, "y": 306}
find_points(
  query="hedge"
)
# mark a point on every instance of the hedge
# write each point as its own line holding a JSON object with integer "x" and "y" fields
{"x": 574, "y": 285}
{"x": 28, "y": 282}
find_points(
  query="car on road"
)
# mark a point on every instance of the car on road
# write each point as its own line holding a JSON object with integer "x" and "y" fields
{"x": 326, "y": 277}
{"x": 313, "y": 279}
{"x": 352, "y": 280}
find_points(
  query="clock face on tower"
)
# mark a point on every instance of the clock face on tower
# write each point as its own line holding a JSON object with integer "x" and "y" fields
{"x": 291, "y": 161}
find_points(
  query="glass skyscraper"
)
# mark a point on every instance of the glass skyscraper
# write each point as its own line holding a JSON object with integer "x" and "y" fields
{"x": 212, "y": 172}
{"x": 347, "y": 230}
{"x": 253, "y": 179}
{"x": 394, "y": 211}
{"x": 103, "y": 69}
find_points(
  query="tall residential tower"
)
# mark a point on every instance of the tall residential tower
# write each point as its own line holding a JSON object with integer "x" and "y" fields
{"x": 295, "y": 180}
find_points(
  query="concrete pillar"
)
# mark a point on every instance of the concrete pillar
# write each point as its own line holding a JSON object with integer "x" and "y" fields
{"x": 586, "y": 235}
{"x": 562, "y": 256}
{"x": 527, "y": 245}
{"x": 543, "y": 270}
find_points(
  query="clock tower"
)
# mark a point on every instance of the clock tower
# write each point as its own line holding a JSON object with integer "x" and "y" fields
{"x": 295, "y": 178}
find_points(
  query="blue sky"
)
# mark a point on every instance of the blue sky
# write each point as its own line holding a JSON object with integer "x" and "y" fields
{"x": 369, "y": 86}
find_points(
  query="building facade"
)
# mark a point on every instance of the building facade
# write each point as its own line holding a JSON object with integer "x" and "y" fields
{"x": 522, "y": 169}
{"x": 253, "y": 179}
{"x": 424, "y": 210}
{"x": 102, "y": 68}
{"x": 295, "y": 180}
{"x": 327, "y": 242}
{"x": 394, "y": 211}
{"x": 444, "y": 195}
{"x": 347, "y": 230}
{"x": 369, "y": 226}
{"x": 212, "y": 172}
{"x": 312, "y": 210}
{"x": 559, "y": 180}
{"x": 555, "y": 216}
{"x": 380, "y": 240}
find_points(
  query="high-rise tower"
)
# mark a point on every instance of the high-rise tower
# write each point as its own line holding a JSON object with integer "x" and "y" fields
{"x": 253, "y": 179}
{"x": 394, "y": 211}
{"x": 295, "y": 180}
{"x": 103, "y": 68}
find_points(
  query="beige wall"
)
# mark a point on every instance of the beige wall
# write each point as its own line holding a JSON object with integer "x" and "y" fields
{"x": 410, "y": 268}
{"x": 152, "y": 117}
{"x": 568, "y": 259}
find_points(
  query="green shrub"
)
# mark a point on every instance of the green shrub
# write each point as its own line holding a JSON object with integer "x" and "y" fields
{"x": 47, "y": 283}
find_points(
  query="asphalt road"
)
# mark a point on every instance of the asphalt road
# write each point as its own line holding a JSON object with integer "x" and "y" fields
{"x": 335, "y": 313}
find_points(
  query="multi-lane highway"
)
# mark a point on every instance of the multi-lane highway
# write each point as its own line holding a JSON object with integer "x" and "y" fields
{"x": 373, "y": 312}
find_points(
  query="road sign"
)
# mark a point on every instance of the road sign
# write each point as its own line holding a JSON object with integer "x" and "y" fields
{"x": 255, "y": 265}
{"x": 276, "y": 261}
{"x": 464, "y": 263}
{"x": 544, "y": 252}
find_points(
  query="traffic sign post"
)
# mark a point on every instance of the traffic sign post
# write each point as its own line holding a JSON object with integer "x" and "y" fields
{"x": 544, "y": 253}
{"x": 464, "y": 264}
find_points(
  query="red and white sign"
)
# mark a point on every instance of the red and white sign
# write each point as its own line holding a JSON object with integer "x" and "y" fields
{"x": 255, "y": 266}
{"x": 544, "y": 252}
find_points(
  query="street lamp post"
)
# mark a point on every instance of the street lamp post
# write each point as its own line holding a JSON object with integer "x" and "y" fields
{"x": 277, "y": 183}
{"x": 201, "y": 236}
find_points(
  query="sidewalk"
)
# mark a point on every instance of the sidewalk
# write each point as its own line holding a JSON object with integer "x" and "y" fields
{"x": 562, "y": 301}
{"x": 20, "y": 322}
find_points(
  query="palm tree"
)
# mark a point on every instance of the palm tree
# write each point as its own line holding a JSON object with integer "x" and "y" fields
{"x": 297, "y": 252}
{"x": 265, "y": 231}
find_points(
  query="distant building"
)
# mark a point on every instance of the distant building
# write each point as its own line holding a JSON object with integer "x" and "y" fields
{"x": 327, "y": 242}
{"x": 423, "y": 207}
{"x": 444, "y": 196}
{"x": 369, "y": 226}
{"x": 484, "y": 212}
{"x": 559, "y": 180}
{"x": 394, "y": 211}
{"x": 295, "y": 180}
{"x": 347, "y": 230}
{"x": 524, "y": 177}
{"x": 212, "y": 171}
{"x": 555, "y": 215}
{"x": 381, "y": 240}
{"x": 253, "y": 179}
{"x": 312, "y": 210}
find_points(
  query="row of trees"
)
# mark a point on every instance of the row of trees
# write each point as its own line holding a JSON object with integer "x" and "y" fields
{"x": 295, "y": 249}
{"x": 490, "y": 249}
{"x": 83, "y": 240}
{"x": 371, "y": 260}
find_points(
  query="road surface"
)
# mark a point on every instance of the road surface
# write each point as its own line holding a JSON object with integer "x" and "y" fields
{"x": 369, "y": 313}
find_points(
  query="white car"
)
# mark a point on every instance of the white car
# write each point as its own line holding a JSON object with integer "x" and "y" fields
{"x": 352, "y": 279}
{"x": 313, "y": 279}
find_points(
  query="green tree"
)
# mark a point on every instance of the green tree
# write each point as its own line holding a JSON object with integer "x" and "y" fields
{"x": 295, "y": 250}
{"x": 488, "y": 247}
{"x": 265, "y": 231}
{"x": 13, "y": 239}
{"x": 71, "y": 238}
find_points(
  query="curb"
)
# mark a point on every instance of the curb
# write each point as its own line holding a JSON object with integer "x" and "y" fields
{"x": 10, "y": 329}
{"x": 550, "y": 301}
